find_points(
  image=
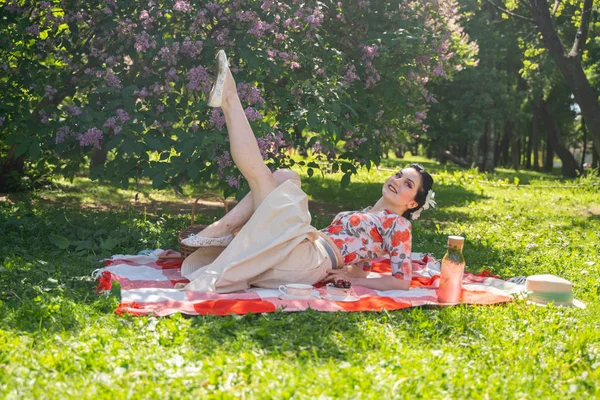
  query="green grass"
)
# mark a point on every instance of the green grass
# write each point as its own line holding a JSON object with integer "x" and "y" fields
{"x": 58, "y": 339}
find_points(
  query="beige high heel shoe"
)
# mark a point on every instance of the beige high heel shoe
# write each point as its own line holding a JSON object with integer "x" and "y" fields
{"x": 215, "y": 97}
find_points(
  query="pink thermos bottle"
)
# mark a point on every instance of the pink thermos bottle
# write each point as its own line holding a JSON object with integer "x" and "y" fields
{"x": 453, "y": 268}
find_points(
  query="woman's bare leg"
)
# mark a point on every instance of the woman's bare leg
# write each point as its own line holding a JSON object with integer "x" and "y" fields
{"x": 241, "y": 213}
{"x": 243, "y": 145}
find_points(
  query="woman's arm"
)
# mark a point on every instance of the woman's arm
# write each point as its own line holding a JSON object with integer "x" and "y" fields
{"x": 383, "y": 283}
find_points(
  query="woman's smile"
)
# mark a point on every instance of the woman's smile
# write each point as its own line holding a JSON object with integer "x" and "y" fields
{"x": 392, "y": 189}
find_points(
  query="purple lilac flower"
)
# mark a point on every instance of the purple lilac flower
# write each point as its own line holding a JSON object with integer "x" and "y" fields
{"x": 195, "y": 127}
{"x": 350, "y": 75}
{"x": 220, "y": 36}
{"x": 73, "y": 111}
{"x": 62, "y": 134}
{"x": 196, "y": 77}
{"x": 250, "y": 94}
{"x": 160, "y": 109}
{"x": 373, "y": 75}
{"x": 172, "y": 76}
{"x": 369, "y": 52}
{"x": 143, "y": 42}
{"x": 112, "y": 80}
{"x": 252, "y": 114}
{"x": 122, "y": 115}
{"x": 270, "y": 143}
{"x": 181, "y": 5}
{"x": 439, "y": 70}
{"x": 92, "y": 137}
{"x": 2, "y": 119}
{"x": 111, "y": 123}
{"x": 49, "y": 92}
{"x": 379, "y": 113}
{"x": 169, "y": 54}
{"x": 233, "y": 181}
{"x": 144, "y": 14}
{"x": 33, "y": 29}
{"x": 217, "y": 119}
{"x": 191, "y": 49}
{"x": 259, "y": 27}
{"x": 44, "y": 117}
{"x": 223, "y": 161}
{"x": 267, "y": 4}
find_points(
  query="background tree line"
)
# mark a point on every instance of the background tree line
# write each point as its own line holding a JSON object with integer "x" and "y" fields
{"x": 120, "y": 88}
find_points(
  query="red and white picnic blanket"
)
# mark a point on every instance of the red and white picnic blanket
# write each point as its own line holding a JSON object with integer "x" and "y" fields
{"x": 148, "y": 288}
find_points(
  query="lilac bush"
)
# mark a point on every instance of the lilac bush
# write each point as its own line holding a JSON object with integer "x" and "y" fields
{"x": 131, "y": 79}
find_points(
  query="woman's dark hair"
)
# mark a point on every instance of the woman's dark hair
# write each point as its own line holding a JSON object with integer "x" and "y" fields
{"x": 421, "y": 196}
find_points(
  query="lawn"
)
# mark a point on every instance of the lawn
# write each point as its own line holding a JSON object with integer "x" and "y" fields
{"x": 59, "y": 340}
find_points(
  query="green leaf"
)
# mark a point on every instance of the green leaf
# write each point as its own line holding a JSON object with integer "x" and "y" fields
{"x": 109, "y": 244}
{"x": 22, "y": 148}
{"x": 313, "y": 120}
{"x": 335, "y": 107}
{"x": 35, "y": 150}
{"x": 158, "y": 181}
{"x": 60, "y": 241}
{"x": 346, "y": 180}
{"x": 310, "y": 172}
{"x": 106, "y": 89}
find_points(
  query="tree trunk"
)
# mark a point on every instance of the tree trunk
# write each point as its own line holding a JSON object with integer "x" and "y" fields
{"x": 535, "y": 134}
{"x": 505, "y": 142}
{"x": 538, "y": 118}
{"x": 486, "y": 148}
{"x": 529, "y": 148}
{"x": 569, "y": 64}
{"x": 595, "y": 159}
{"x": 584, "y": 148}
{"x": 548, "y": 155}
{"x": 10, "y": 168}
{"x": 569, "y": 165}
{"x": 515, "y": 148}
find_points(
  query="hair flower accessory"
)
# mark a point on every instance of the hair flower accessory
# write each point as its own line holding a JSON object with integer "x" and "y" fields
{"x": 429, "y": 203}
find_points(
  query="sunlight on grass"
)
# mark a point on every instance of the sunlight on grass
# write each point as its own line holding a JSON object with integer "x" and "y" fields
{"x": 58, "y": 339}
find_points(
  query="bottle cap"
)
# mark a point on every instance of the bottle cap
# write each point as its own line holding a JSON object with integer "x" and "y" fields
{"x": 456, "y": 242}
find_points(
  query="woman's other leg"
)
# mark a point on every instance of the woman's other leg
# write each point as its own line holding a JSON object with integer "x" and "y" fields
{"x": 243, "y": 145}
{"x": 241, "y": 213}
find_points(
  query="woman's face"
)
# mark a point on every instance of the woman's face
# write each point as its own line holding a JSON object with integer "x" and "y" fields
{"x": 400, "y": 189}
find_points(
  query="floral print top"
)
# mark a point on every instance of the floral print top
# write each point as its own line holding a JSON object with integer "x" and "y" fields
{"x": 362, "y": 236}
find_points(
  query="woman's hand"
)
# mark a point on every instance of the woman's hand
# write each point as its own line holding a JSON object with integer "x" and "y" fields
{"x": 335, "y": 274}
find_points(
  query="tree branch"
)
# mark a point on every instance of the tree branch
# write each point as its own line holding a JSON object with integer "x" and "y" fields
{"x": 555, "y": 8}
{"x": 582, "y": 30}
{"x": 510, "y": 12}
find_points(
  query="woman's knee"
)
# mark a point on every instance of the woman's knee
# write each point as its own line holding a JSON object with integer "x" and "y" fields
{"x": 282, "y": 175}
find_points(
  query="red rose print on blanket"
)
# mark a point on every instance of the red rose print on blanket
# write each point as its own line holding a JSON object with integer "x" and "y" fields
{"x": 354, "y": 220}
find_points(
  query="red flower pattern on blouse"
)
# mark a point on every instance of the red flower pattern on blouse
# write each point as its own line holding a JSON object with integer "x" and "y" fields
{"x": 362, "y": 236}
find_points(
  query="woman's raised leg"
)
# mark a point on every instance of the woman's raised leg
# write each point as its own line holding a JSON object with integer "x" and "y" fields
{"x": 243, "y": 145}
{"x": 241, "y": 213}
